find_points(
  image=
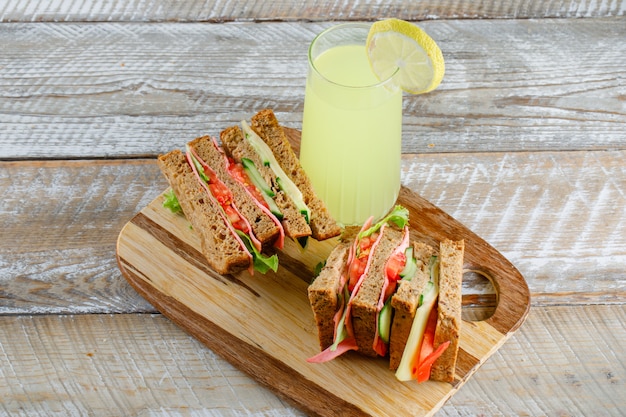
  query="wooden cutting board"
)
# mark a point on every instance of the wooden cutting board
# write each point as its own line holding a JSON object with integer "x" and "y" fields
{"x": 263, "y": 324}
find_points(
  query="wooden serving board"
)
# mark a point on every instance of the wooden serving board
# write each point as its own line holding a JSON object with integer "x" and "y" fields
{"x": 263, "y": 324}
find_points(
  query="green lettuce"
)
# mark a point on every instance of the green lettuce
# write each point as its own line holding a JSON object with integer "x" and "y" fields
{"x": 171, "y": 202}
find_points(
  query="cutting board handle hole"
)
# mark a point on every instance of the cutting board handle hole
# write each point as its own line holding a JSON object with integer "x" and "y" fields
{"x": 480, "y": 298}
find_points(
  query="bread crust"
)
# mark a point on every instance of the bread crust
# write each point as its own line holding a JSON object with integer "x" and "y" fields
{"x": 222, "y": 250}
{"x": 265, "y": 124}
{"x": 263, "y": 227}
{"x": 365, "y": 302}
{"x": 448, "y": 309}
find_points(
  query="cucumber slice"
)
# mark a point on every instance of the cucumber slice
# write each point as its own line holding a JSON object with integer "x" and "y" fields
{"x": 410, "y": 268}
{"x": 256, "y": 177}
{"x": 384, "y": 321}
{"x": 258, "y": 181}
{"x": 282, "y": 179}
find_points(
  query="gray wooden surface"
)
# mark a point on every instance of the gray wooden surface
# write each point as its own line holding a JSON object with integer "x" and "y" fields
{"x": 524, "y": 142}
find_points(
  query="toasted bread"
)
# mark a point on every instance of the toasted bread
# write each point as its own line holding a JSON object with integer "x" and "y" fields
{"x": 265, "y": 124}
{"x": 220, "y": 246}
{"x": 448, "y": 309}
{"x": 263, "y": 227}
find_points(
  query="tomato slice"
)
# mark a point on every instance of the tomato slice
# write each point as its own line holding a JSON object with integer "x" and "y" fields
{"x": 395, "y": 265}
{"x": 428, "y": 354}
{"x": 239, "y": 173}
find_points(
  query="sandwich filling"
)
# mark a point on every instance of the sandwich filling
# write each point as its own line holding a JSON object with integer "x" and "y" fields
{"x": 283, "y": 181}
{"x": 357, "y": 266}
{"x": 244, "y": 177}
{"x": 236, "y": 222}
{"x": 419, "y": 352}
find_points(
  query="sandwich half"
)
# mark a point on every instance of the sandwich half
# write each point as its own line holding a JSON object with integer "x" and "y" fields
{"x": 265, "y": 226}
{"x": 228, "y": 239}
{"x": 356, "y": 286}
{"x": 427, "y": 314}
{"x": 265, "y": 124}
{"x": 382, "y": 295}
{"x": 263, "y": 148}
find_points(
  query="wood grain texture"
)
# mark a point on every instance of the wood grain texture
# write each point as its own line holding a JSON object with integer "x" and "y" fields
{"x": 117, "y": 90}
{"x": 220, "y": 11}
{"x": 59, "y": 225}
{"x": 57, "y": 215}
{"x": 264, "y": 325}
{"x": 112, "y": 365}
{"x": 523, "y": 143}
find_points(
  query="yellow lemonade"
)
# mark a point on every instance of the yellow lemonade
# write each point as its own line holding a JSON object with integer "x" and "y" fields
{"x": 351, "y": 135}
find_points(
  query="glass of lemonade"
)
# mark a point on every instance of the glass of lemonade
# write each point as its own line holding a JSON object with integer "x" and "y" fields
{"x": 351, "y": 127}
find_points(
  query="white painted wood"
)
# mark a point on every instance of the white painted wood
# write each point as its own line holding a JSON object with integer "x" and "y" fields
{"x": 118, "y": 90}
{"x": 523, "y": 143}
{"x": 111, "y": 365}
{"x": 560, "y": 217}
{"x": 220, "y": 10}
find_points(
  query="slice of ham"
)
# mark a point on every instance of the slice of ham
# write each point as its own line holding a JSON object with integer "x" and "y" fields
{"x": 379, "y": 346}
{"x": 248, "y": 228}
{"x": 280, "y": 242}
{"x": 222, "y": 214}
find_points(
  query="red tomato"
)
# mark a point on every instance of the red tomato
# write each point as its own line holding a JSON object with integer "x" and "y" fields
{"x": 234, "y": 218}
{"x": 357, "y": 268}
{"x": 239, "y": 173}
{"x": 221, "y": 193}
{"x": 395, "y": 265}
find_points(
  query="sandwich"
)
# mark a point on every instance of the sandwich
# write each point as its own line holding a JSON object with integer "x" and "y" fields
{"x": 384, "y": 296}
{"x": 232, "y": 206}
{"x": 263, "y": 148}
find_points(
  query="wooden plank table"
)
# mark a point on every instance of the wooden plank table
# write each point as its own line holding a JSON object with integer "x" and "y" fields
{"x": 524, "y": 143}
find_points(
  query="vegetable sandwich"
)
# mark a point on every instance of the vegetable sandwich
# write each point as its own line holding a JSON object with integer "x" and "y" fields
{"x": 244, "y": 197}
{"x": 384, "y": 296}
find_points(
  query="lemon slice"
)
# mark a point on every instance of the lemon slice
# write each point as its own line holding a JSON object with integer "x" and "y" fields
{"x": 397, "y": 44}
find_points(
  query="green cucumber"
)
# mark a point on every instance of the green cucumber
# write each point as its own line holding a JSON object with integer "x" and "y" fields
{"x": 384, "y": 321}
{"x": 302, "y": 241}
{"x": 256, "y": 177}
{"x": 282, "y": 179}
{"x": 410, "y": 268}
{"x": 266, "y": 191}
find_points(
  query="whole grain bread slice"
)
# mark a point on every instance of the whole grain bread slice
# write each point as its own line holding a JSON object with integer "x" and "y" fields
{"x": 222, "y": 250}
{"x": 263, "y": 227}
{"x": 265, "y": 124}
{"x": 323, "y": 293}
{"x": 365, "y": 303}
{"x": 405, "y": 302}
{"x": 448, "y": 308}
{"x": 237, "y": 147}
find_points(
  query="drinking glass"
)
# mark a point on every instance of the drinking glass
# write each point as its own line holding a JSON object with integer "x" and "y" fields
{"x": 351, "y": 127}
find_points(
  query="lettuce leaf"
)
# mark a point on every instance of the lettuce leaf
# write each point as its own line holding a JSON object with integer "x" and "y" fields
{"x": 261, "y": 263}
{"x": 171, "y": 202}
{"x": 398, "y": 216}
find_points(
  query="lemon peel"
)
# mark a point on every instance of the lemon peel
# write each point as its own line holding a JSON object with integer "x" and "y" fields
{"x": 394, "y": 44}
